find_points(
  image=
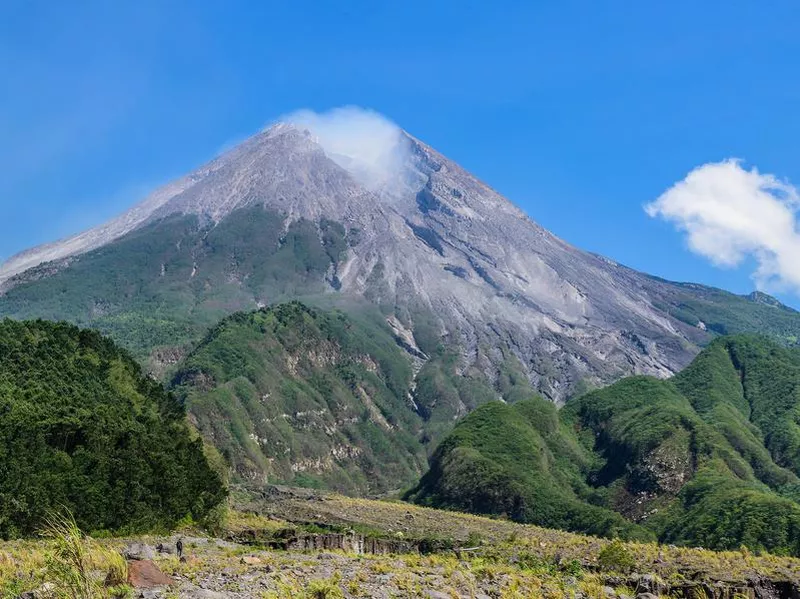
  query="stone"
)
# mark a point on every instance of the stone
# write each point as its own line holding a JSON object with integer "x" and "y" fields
{"x": 650, "y": 583}
{"x": 202, "y": 594}
{"x": 166, "y": 548}
{"x": 144, "y": 574}
{"x": 646, "y": 596}
{"x": 46, "y": 591}
{"x": 609, "y": 591}
{"x": 251, "y": 560}
{"x": 139, "y": 551}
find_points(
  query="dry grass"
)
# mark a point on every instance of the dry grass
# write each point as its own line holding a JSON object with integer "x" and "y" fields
{"x": 508, "y": 538}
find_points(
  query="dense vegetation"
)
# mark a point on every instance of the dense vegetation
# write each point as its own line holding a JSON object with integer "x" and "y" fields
{"x": 443, "y": 394}
{"x": 307, "y": 397}
{"x": 708, "y": 458}
{"x": 82, "y": 428}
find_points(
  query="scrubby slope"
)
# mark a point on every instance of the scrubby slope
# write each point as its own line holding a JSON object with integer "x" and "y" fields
{"x": 709, "y": 457}
{"x": 82, "y": 428}
{"x": 306, "y": 396}
{"x": 165, "y": 284}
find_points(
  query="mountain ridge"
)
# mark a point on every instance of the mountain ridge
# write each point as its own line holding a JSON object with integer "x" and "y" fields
{"x": 437, "y": 250}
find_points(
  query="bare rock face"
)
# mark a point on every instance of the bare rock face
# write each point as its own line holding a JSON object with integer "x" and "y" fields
{"x": 432, "y": 238}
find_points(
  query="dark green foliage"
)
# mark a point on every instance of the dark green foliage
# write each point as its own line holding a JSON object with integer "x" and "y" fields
{"x": 708, "y": 458}
{"x": 82, "y": 428}
{"x": 721, "y": 512}
{"x": 306, "y": 396}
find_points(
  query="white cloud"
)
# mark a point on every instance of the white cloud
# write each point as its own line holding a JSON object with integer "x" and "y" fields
{"x": 362, "y": 141}
{"x": 730, "y": 214}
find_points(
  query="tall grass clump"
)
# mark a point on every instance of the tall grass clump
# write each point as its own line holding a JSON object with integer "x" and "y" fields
{"x": 77, "y": 567}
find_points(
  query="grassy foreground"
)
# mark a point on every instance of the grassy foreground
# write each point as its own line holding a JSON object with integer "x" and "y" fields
{"x": 469, "y": 557}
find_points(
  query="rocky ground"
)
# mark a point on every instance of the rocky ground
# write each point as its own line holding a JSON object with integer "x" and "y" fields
{"x": 286, "y": 543}
{"x": 215, "y": 569}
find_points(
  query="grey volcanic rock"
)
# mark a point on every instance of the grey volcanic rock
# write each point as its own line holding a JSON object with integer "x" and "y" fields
{"x": 434, "y": 239}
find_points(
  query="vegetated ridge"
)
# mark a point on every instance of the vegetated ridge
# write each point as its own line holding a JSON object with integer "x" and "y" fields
{"x": 710, "y": 457}
{"x": 304, "y": 396}
{"x": 327, "y": 399}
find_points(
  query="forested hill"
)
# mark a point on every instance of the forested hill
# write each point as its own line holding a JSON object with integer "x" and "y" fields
{"x": 710, "y": 457}
{"x": 82, "y": 428}
{"x": 305, "y": 396}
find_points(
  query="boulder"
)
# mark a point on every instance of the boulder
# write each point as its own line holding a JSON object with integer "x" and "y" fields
{"x": 166, "y": 548}
{"x": 144, "y": 574}
{"x": 139, "y": 551}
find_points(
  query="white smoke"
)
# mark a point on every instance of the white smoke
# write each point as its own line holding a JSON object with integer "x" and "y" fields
{"x": 367, "y": 144}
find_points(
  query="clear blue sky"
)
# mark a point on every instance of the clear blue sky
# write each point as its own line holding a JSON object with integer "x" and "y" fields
{"x": 580, "y": 112}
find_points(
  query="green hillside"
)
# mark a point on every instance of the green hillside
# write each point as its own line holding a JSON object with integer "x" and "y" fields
{"x": 307, "y": 397}
{"x": 518, "y": 461}
{"x": 708, "y": 458}
{"x": 82, "y": 428}
{"x": 168, "y": 282}
{"x": 725, "y": 313}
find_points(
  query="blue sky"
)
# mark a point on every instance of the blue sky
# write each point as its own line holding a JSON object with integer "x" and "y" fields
{"x": 580, "y": 112}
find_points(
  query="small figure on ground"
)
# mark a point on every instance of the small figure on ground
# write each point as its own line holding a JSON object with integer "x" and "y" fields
{"x": 179, "y": 547}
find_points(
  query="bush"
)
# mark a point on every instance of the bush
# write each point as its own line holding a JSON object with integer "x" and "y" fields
{"x": 616, "y": 557}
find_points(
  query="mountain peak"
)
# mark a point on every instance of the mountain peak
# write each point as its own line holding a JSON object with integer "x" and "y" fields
{"x": 354, "y": 205}
{"x": 759, "y": 297}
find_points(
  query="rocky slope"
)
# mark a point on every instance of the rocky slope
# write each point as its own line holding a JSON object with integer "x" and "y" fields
{"x": 297, "y": 543}
{"x": 447, "y": 259}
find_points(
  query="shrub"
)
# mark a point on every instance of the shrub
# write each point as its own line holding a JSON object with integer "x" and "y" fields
{"x": 324, "y": 589}
{"x": 615, "y": 556}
